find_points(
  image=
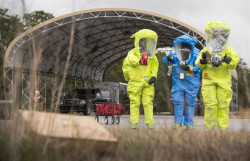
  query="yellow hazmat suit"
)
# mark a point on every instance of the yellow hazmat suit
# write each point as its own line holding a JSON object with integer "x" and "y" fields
{"x": 216, "y": 77}
{"x": 139, "y": 76}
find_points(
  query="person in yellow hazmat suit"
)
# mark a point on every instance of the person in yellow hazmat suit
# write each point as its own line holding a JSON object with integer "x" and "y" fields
{"x": 140, "y": 69}
{"x": 217, "y": 60}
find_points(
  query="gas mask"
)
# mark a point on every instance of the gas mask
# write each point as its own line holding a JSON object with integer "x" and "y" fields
{"x": 215, "y": 60}
{"x": 183, "y": 51}
{"x": 216, "y": 39}
{"x": 146, "y": 48}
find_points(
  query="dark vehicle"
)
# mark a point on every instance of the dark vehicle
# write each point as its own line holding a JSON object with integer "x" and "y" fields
{"x": 83, "y": 100}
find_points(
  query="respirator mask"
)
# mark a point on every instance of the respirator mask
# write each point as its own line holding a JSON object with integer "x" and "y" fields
{"x": 146, "y": 49}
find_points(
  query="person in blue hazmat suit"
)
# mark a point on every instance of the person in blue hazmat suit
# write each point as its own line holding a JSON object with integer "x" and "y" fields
{"x": 185, "y": 79}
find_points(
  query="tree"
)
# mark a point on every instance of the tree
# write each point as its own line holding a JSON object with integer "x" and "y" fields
{"x": 163, "y": 85}
{"x": 10, "y": 27}
{"x": 114, "y": 72}
{"x": 243, "y": 84}
{"x": 34, "y": 18}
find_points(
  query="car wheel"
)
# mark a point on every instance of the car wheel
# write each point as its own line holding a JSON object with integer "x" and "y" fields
{"x": 106, "y": 121}
{"x": 118, "y": 120}
{"x": 113, "y": 120}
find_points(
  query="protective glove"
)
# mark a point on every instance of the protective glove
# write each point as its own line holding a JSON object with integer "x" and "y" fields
{"x": 183, "y": 66}
{"x": 227, "y": 59}
{"x": 152, "y": 80}
{"x": 170, "y": 58}
{"x": 203, "y": 59}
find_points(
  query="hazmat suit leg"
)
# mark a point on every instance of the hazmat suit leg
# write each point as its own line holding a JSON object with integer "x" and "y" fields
{"x": 190, "y": 102}
{"x": 134, "y": 91}
{"x": 210, "y": 102}
{"x": 178, "y": 101}
{"x": 147, "y": 101}
{"x": 224, "y": 96}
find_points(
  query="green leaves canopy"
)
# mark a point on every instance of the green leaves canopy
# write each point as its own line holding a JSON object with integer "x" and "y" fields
{"x": 36, "y": 17}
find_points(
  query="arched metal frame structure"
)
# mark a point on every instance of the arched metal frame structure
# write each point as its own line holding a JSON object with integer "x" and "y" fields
{"x": 101, "y": 37}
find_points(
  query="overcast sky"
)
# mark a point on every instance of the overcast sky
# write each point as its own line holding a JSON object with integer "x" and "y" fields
{"x": 196, "y": 13}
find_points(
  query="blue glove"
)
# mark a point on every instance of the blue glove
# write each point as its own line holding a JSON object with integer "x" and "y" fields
{"x": 170, "y": 58}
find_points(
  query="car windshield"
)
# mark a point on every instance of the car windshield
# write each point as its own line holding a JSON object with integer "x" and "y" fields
{"x": 84, "y": 93}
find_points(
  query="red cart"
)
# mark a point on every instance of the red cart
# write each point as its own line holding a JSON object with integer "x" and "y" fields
{"x": 109, "y": 109}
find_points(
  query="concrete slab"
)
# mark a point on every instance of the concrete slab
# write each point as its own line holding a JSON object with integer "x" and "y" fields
{"x": 66, "y": 126}
{"x": 73, "y": 129}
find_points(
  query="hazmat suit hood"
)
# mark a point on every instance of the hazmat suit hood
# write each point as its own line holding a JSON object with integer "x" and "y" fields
{"x": 142, "y": 35}
{"x": 217, "y": 34}
{"x": 188, "y": 40}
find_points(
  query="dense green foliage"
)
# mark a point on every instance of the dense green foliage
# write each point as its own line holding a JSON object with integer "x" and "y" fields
{"x": 243, "y": 85}
{"x": 114, "y": 72}
{"x": 11, "y": 26}
{"x": 163, "y": 85}
{"x": 36, "y": 17}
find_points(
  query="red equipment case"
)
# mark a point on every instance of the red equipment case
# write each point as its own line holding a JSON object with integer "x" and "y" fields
{"x": 109, "y": 109}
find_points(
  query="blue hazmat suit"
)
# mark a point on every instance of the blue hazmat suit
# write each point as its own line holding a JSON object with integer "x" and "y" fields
{"x": 184, "y": 89}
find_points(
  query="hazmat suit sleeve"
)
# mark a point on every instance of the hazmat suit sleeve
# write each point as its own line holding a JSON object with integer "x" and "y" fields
{"x": 235, "y": 58}
{"x": 154, "y": 67}
{"x": 125, "y": 69}
{"x": 165, "y": 60}
{"x": 194, "y": 67}
{"x": 197, "y": 62}
{"x": 130, "y": 60}
{"x": 133, "y": 60}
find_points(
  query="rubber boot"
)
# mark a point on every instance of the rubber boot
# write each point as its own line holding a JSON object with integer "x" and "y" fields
{"x": 150, "y": 126}
{"x": 177, "y": 126}
{"x": 134, "y": 126}
{"x": 190, "y": 127}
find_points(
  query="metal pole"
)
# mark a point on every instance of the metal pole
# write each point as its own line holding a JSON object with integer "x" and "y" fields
{"x": 22, "y": 90}
{"x": 45, "y": 93}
